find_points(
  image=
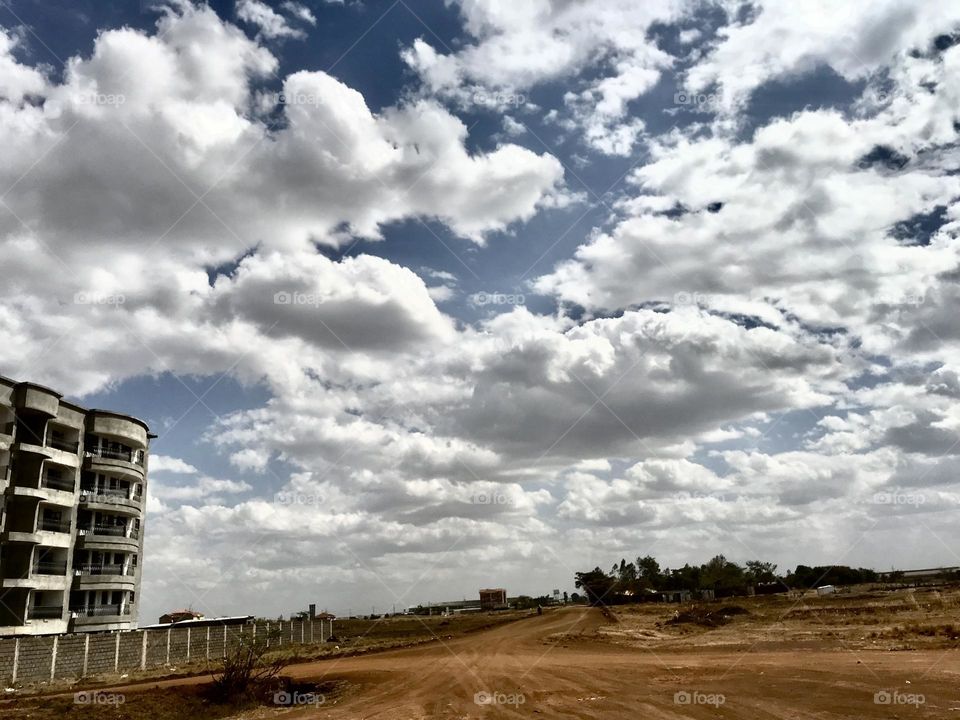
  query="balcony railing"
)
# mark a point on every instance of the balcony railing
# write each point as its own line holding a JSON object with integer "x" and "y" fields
{"x": 57, "y": 526}
{"x": 101, "y": 610}
{"x": 45, "y": 612}
{"x": 66, "y": 445}
{"x": 111, "y": 531}
{"x": 104, "y": 495}
{"x": 55, "y": 483}
{"x": 102, "y": 569}
{"x": 131, "y": 456}
{"x": 50, "y": 567}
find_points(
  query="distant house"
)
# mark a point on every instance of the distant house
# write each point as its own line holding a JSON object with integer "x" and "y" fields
{"x": 493, "y": 599}
{"x": 325, "y": 616}
{"x": 199, "y": 621}
{"x": 925, "y": 576}
{"x": 826, "y": 590}
{"x": 176, "y": 616}
{"x": 676, "y": 596}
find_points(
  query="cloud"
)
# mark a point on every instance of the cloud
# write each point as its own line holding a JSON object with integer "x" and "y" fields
{"x": 782, "y": 39}
{"x": 203, "y": 488}
{"x": 516, "y": 47}
{"x": 271, "y": 24}
{"x": 299, "y": 11}
{"x": 165, "y": 463}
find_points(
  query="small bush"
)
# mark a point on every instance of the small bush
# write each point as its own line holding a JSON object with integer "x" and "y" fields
{"x": 244, "y": 671}
{"x": 707, "y": 617}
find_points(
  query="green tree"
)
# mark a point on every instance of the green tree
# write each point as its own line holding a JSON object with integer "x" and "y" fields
{"x": 722, "y": 576}
{"x": 648, "y": 569}
{"x": 596, "y": 584}
{"x": 760, "y": 572}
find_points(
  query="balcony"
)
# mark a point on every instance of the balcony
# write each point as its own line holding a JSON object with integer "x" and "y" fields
{"x": 50, "y": 567}
{"x": 45, "y": 612}
{"x": 65, "y": 445}
{"x": 103, "y": 569}
{"x": 117, "y": 500}
{"x": 57, "y": 526}
{"x": 111, "y": 530}
{"x": 130, "y": 456}
{"x": 55, "y": 483}
{"x": 101, "y": 610}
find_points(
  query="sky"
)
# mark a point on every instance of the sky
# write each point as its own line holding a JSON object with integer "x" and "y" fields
{"x": 421, "y": 297}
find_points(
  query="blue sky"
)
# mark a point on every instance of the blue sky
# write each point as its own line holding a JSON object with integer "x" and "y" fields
{"x": 495, "y": 292}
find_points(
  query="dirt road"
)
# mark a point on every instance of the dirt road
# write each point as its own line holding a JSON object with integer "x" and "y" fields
{"x": 523, "y": 670}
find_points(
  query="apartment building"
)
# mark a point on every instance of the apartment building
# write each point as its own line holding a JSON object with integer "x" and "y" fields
{"x": 72, "y": 500}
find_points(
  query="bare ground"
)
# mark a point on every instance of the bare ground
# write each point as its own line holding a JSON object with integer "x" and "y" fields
{"x": 782, "y": 658}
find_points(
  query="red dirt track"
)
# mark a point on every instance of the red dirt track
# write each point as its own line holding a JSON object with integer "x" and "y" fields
{"x": 559, "y": 667}
{"x": 580, "y": 677}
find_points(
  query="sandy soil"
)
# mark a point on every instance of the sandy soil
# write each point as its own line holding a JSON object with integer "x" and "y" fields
{"x": 577, "y": 663}
{"x": 560, "y": 668}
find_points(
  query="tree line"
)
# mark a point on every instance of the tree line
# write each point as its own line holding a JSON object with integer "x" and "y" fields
{"x": 644, "y": 580}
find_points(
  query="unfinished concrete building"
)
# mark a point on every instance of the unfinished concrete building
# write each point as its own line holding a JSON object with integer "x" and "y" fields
{"x": 72, "y": 497}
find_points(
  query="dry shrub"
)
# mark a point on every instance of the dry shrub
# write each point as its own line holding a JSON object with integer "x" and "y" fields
{"x": 245, "y": 671}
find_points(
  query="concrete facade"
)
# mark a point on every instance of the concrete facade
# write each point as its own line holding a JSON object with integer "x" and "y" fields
{"x": 72, "y": 500}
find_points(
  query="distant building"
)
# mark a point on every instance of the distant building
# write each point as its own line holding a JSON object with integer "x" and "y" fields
{"x": 923, "y": 576}
{"x": 201, "y": 621}
{"x": 826, "y": 590}
{"x": 493, "y": 599}
{"x": 179, "y": 616}
{"x": 72, "y": 490}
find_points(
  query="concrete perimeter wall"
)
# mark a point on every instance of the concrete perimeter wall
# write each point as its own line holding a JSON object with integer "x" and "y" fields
{"x": 62, "y": 657}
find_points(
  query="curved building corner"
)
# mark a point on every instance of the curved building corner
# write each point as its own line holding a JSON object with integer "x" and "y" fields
{"x": 72, "y": 502}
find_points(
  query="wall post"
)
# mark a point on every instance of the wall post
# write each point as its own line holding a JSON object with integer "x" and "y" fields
{"x": 143, "y": 651}
{"x": 116, "y": 654}
{"x": 86, "y": 653}
{"x": 169, "y": 630}
{"x": 16, "y": 659}
{"x": 53, "y": 657}
{"x": 188, "y": 643}
{"x": 224, "y": 640}
{"x": 208, "y": 642}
